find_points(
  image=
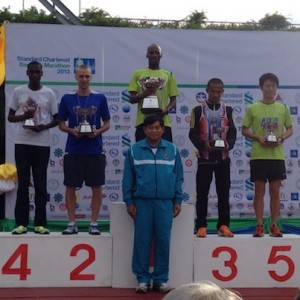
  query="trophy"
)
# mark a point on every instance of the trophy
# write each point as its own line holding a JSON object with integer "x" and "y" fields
{"x": 31, "y": 107}
{"x": 271, "y": 136}
{"x": 150, "y": 103}
{"x": 85, "y": 126}
{"x": 217, "y": 141}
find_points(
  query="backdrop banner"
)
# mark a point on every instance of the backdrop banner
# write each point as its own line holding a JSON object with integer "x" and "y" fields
{"x": 239, "y": 58}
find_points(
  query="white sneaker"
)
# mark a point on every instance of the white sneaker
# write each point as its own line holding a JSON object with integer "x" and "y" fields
{"x": 142, "y": 288}
{"x": 71, "y": 229}
{"x": 162, "y": 288}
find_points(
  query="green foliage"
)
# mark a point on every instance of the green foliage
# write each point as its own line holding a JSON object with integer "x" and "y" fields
{"x": 274, "y": 22}
{"x": 98, "y": 17}
{"x": 31, "y": 15}
{"x": 196, "y": 20}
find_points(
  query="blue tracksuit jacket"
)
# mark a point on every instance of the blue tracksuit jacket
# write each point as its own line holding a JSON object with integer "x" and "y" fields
{"x": 153, "y": 176}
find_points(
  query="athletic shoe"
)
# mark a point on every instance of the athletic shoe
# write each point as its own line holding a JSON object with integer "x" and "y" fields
{"x": 201, "y": 233}
{"x": 20, "y": 230}
{"x": 41, "y": 230}
{"x": 224, "y": 231}
{"x": 71, "y": 229}
{"x": 162, "y": 288}
{"x": 142, "y": 288}
{"x": 259, "y": 231}
{"x": 275, "y": 231}
{"x": 94, "y": 229}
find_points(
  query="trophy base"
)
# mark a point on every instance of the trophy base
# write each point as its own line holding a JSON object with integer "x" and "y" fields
{"x": 151, "y": 111}
{"x": 150, "y": 105}
{"x": 85, "y": 129}
{"x": 29, "y": 123}
{"x": 220, "y": 144}
{"x": 272, "y": 139}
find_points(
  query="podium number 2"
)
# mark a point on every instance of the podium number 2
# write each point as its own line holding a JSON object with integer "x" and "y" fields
{"x": 76, "y": 273}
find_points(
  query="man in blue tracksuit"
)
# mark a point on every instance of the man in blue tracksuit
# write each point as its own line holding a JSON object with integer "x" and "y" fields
{"x": 152, "y": 191}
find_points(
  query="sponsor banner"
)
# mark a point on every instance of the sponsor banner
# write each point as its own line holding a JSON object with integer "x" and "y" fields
{"x": 236, "y": 59}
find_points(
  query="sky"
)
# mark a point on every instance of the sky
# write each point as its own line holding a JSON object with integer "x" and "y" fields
{"x": 215, "y": 10}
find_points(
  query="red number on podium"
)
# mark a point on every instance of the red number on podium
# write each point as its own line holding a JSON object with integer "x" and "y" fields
{"x": 22, "y": 271}
{"x": 274, "y": 258}
{"x": 227, "y": 263}
{"x": 75, "y": 274}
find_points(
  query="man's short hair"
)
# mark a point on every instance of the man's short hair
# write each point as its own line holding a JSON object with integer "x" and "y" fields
{"x": 214, "y": 81}
{"x": 268, "y": 76}
{"x": 34, "y": 63}
{"x": 152, "y": 119}
{"x": 83, "y": 67}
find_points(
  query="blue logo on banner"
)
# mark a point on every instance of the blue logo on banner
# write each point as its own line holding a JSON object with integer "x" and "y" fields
{"x": 294, "y": 110}
{"x": 294, "y": 196}
{"x": 294, "y": 153}
{"x": 90, "y": 62}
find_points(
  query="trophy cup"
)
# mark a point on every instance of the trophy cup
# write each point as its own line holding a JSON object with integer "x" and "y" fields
{"x": 85, "y": 126}
{"x": 31, "y": 107}
{"x": 217, "y": 141}
{"x": 150, "y": 103}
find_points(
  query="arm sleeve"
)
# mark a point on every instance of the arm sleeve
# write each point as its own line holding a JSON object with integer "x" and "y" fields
{"x": 133, "y": 85}
{"x": 53, "y": 103}
{"x": 105, "y": 115}
{"x": 173, "y": 86}
{"x": 178, "y": 197}
{"x": 129, "y": 180}
{"x": 288, "y": 121}
{"x": 194, "y": 133}
{"x": 231, "y": 134}
{"x": 62, "y": 111}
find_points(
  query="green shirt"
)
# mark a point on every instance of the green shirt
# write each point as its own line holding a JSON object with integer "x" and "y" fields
{"x": 167, "y": 89}
{"x": 265, "y": 118}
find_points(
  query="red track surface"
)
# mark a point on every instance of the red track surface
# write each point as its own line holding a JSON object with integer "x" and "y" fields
{"x": 127, "y": 294}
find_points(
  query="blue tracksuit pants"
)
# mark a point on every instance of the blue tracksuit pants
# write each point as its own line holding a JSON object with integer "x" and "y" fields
{"x": 154, "y": 219}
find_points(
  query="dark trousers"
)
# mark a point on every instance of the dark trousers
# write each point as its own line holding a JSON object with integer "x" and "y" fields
{"x": 140, "y": 135}
{"x": 204, "y": 177}
{"x": 31, "y": 158}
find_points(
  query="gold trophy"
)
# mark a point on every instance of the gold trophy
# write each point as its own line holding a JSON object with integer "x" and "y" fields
{"x": 150, "y": 103}
{"x": 30, "y": 106}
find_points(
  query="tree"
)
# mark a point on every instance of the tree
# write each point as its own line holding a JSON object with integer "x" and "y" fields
{"x": 99, "y": 17}
{"x": 5, "y": 15}
{"x": 196, "y": 20}
{"x": 274, "y": 22}
{"x": 31, "y": 15}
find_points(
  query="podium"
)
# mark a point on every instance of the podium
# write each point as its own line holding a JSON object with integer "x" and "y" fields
{"x": 83, "y": 260}
{"x": 181, "y": 253}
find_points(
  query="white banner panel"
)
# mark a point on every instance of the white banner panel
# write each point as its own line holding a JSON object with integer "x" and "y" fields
{"x": 194, "y": 56}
